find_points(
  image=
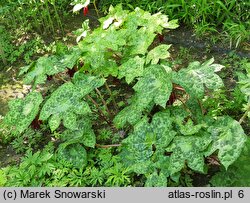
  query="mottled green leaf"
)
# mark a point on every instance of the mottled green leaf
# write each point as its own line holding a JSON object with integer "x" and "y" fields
{"x": 66, "y": 102}
{"x": 131, "y": 69}
{"x": 37, "y": 71}
{"x": 70, "y": 120}
{"x": 237, "y": 174}
{"x": 189, "y": 128}
{"x": 159, "y": 52}
{"x": 188, "y": 149}
{"x": 82, "y": 134}
{"x": 162, "y": 162}
{"x": 140, "y": 41}
{"x": 196, "y": 76}
{"x": 89, "y": 139}
{"x": 69, "y": 60}
{"x": 228, "y": 138}
{"x": 130, "y": 114}
{"x": 155, "y": 85}
{"x": 162, "y": 128}
{"x": 86, "y": 82}
{"x": 171, "y": 24}
{"x": 22, "y": 112}
{"x": 155, "y": 180}
{"x": 54, "y": 122}
{"x": 137, "y": 147}
{"x": 74, "y": 154}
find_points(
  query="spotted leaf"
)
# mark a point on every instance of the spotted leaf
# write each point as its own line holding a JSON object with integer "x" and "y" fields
{"x": 196, "y": 76}
{"x": 159, "y": 52}
{"x": 131, "y": 69}
{"x": 22, "y": 112}
{"x": 66, "y": 102}
{"x": 228, "y": 138}
{"x": 74, "y": 154}
{"x": 187, "y": 149}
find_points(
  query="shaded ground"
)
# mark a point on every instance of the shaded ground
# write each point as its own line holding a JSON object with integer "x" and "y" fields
{"x": 185, "y": 37}
{"x": 8, "y": 156}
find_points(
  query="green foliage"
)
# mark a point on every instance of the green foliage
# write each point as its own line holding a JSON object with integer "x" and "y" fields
{"x": 244, "y": 82}
{"x": 29, "y": 140}
{"x": 155, "y": 180}
{"x": 87, "y": 83}
{"x": 23, "y": 112}
{"x": 225, "y": 134}
{"x": 237, "y": 174}
{"x": 159, "y": 52}
{"x": 161, "y": 137}
{"x": 139, "y": 144}
{"x": 154, "y": 86}
{"x": 5, "y": 46}
{"x": 38, "y": 71}
{"x": 74, "y": 154}
{"x": 229, "y": 138}
{"x": 131, "y": 69}
{"x": 38, "y": 15}
{"x": 64, "y": 104}
{"x": 3, "y": 178}
{"x": 196, "y": 75}
{"x": 189, "y": 149}
{"x": 32, "y": 171}
{"x": 203, "y": 16}
{"x": 236, "y": 32}
{"x": 23, "y": 23}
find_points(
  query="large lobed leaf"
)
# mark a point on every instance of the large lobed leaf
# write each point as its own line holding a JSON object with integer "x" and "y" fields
{"x": 237, "y": 175}
{"x": 196, "y": 76}
{"x": 190, "y": 150}
{"x": 38, "y": 71}
{"x": 131, "y": 69}
{"x": 74, "y": 154}
{"x": 228, "y": 138}
{"x": 159, "y": 52}
{"x": 137, "y": 148}
{"x": 154, "y": 86}
{"x": 65, "y": 104}
{"x": 23, "y": 111}
{"x": 84, "y": 133}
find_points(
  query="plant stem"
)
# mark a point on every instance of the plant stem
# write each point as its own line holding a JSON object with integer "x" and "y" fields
{"x": 59, "y": 77}
{"x": 96, "y": 10}
{"x": 112, "y": 97}
{"x": 103, "y": 101}
{"x": 245, "y": 114}
{"x": 3, "y": 55}
{"x": 59, "y": 22}
{"x": 107, "y": 146}
{"x": 201, "y": 106}
{"x": 187, "y": 109}
{"x": 49, "y": 18}
{"x": 100, "y": 111}
{"x": 177, "y": 87}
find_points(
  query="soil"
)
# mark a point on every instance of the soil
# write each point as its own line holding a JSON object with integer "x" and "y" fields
{"x": 8, "y": 156}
